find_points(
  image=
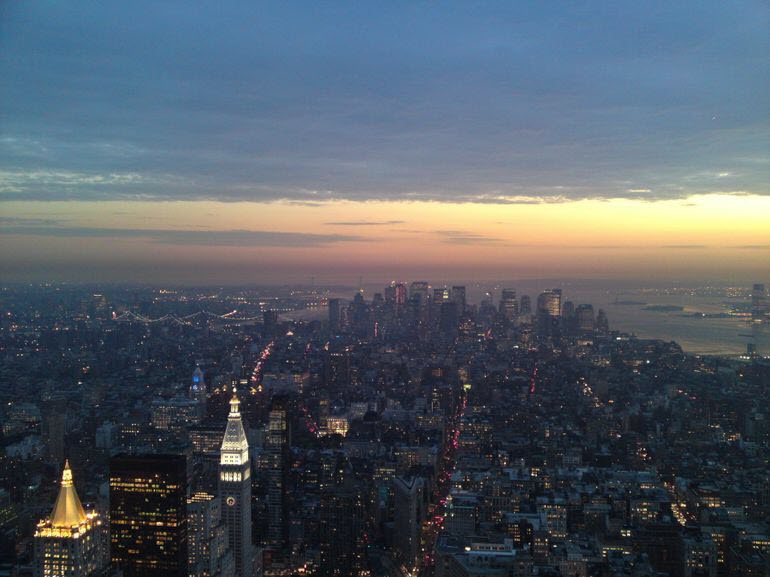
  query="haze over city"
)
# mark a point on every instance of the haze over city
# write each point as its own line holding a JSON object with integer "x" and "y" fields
{"x": 252, "y": 142}
{"x": 303, "y": 288}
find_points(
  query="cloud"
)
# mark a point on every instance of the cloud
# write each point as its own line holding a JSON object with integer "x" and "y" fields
{"x": 509, "y": 103}
{"x": 66, "y": 178}
{"x": 235, "y": 238}
{"x": 684, "y": 246}
{"x": 23, "y": 221}
{"x": 463, "y": 237}
{"x": 364, "y": 223}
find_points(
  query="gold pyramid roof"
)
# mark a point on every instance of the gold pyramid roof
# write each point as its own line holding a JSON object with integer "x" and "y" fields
{"x": 68, "y": 511}
{"x": 235, "y": 446}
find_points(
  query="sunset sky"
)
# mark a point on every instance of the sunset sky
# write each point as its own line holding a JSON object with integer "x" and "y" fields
{"x": 269, "y": 142}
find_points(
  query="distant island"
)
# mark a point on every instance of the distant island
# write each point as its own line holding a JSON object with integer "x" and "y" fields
{"x": 664, "y": 308}
{"x": 700, "y": 315}
{"x": 630, "y": 303}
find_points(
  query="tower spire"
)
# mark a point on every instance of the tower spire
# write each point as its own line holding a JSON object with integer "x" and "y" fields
{"x": 235, "y": 489}
{"x": 235, "y": 404}
{"x": 68, "y": 510}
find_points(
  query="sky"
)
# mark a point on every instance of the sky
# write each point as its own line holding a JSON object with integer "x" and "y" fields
{"x": 271, "y": 142}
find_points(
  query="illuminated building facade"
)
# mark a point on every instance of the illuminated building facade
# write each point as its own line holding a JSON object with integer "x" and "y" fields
{"x": 548, "y": 311}
{"x": 210, "y": 555}
{"x": 336, "y": 426}
{"x": 148, "y": 515}
{"x": 71, "y": 542}
{"x": 176, "y": 414}
{"x": 235, "y": 490}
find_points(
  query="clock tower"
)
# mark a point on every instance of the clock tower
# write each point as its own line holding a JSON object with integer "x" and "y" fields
{"x": 235, "y": 490}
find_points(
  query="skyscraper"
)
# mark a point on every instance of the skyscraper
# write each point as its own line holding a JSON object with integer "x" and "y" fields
{"x": 526, "y": 305}
{"x": 758, "y": 303}
{"x": 342, "y": 513}
{"x": 198, "y": 390}
{"x": 550, "y": 302}
{"x": 419, "y": 289}
{"x": 277, "y": 443}
{"x": 71, "y": 542}
{"x": 602, "y": 324}
{"x": 336, "y": 367}
{"x": 408, "y": 511}
{"x": 270, "y": 322}
{"x": 210, "y": 555}
{"x": 361, "y": 317}
{"x": 400, "y": 295}
{"x": 396, "y": 294}
{"x": 458, "y": 297}
{"x": 509, "y": 308}
{"x": 334, "y": 314}
{"x": 448, "y": 319}
{"x": 390, "y": 293}
{"x": 54, "y": 426}
{"x": 548, "y": 311}
{"x": 235, "y": 490}
{"x": 585, "y": 318}
{"x": 148, "y": 515}
{"x": 440, "y": 295}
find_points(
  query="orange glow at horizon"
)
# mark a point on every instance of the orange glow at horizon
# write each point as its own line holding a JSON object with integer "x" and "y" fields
{"x": 717, "y": 235}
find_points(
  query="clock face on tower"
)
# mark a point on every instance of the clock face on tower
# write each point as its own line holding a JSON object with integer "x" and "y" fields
{"x": 230, "y": 501}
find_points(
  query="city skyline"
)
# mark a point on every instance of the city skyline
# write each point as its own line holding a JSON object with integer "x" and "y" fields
{"x": 417, "y": 431}
{"x": 243, "y": 144}
{"x": 384, "y": 289}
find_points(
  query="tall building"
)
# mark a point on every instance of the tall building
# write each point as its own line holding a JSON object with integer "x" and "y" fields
{"x": 526, "y": 305}
{"x": 548, "y": 310}
{"x": 602, "y": 324}
{"x": 585, "y": 318}
{"x": 54, "y": 426}
{"x": 549, "y": 301}
{"x": 71, "y": 542}
{"x": 395, "y": 294}
{"x": 235, "y": 490}
{"x": 270, "y": 322}
{"x": 462, "y": 513}
{"x": 198, "y": 391}
{"x": 419, "y": 289}
{"x": 360, "y": 315}
{"x": 390, "y": 293}
{"x": 409, "y": 512}
{"x": 509, "y": 307}
{"x": 148, "y": 515}
{"x": 334, "y": 314}
{"x": 177, "y": 414}
{"x": 336, "y": 367}
{"x": 448, "y": 320}
{"x": 758, "y": 302}
{"x": 342, "y": 514}
{"x": 400, "y": 295}
{"x": 440, "y": 295}
{"x": 458, "y": 297}
{"x": 210, "y": 555}
{"x": 277, "y": 445}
